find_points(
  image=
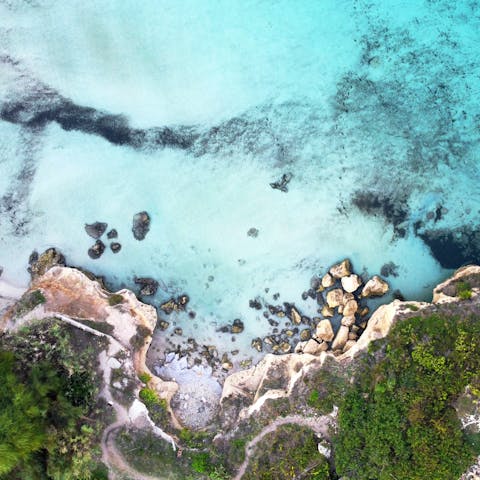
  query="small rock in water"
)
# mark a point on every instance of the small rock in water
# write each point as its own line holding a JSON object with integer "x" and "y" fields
{"x": 141, "y": 225}
{"x": 39, "y": 264}
{"x": 389, "y": 269}
{"x": 237, "y": 326}
{"x": 342, "y": 269}
{"x": 115, "y": 247}
{"x": 96, "y": 250}
{"x": 148, "y": 285}
{"x": 257, "y": 344}
{"x": 112, "y": 234}
{"x": 96, "y": 230}
{"x": 282, "y": 183}
{"x": 253, "y": 232}
{"x": 1, "y": 271}
{"x": 178, "y": 331}
{"x": 255, "y": 304}
{"x": 163, "y": 324}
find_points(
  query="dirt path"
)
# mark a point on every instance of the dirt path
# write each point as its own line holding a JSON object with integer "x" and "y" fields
{"x": 319, "y": 425}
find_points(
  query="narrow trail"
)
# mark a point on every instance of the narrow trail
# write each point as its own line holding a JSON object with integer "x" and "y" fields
{"x": 319, "y": 425}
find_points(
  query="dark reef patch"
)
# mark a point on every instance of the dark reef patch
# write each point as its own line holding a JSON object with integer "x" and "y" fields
{"x": 393, "y": 210}
{"x": 453, "y": 248}
{"x": 43, "y": 105}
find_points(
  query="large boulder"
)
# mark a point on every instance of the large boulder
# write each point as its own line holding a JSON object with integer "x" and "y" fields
{"x": 141, "y": 225}
{"x": 350, "y": 308}
{"x": 39, "y": 264}
{"x": 351, "y": 283}
{"x": 342, "y": 269}
{"x": 327, "y": 281}
{"x": 335, "y": 297}
{"x": 148, "y": 285}
{"x": 341, "y": 338}
{"x": 96, "y": 230}
{"x": 325, "y": 331}
{"x": 375, "y": 287}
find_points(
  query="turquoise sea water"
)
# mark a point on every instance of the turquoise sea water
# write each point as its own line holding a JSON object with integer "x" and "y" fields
{"x": 371, "y": 106}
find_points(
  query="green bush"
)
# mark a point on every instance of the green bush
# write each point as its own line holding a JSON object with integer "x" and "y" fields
{"x": 144, "y": 377}
{"x": 397, "y": 420}
{"x": 464, "y": 290}
{"x": 201, "y": 462}
{"x": 115, "y": 299}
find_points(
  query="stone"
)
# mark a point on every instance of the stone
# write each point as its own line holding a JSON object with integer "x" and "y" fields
{"x": 95, "y": 230}
{"x": 342, "y": 269}
{"x": 347, "y": 297}
{"x": 282, "y": 183}
{"x": 335, "y": 297}
{"x": 178, "y": 331}
{"x": 115, "y": 247}
{"x": 340, "y": 309}
{"x": 228, "y": 365}
{"x": 313, "y": 347}
{"x": 40, "y": 264}
{"x": 169, "y": 306}
{"x": 375, "y": 287}
{"x": 148, "y": 285}
{"x": 285, "y": 347}
{"x": 141, "y": 225}
{"x": 237, "y": 326}
{"x": 163, "y": 324}
{"x": 112, "y": 234}
{"x": 288, "y": 333}
{"x": 327, "y": 281}
{"x": 255, "y": 304}
{"x": 182, "y": 301}
{"x": 351, "y": 283}
{"x": 296, "y": 317}
{"x": 327, "y": 311}
{"x": 257, "y": 344}
{"x": 96, "y": 250}
{"x": 246, "y": 363}
{"x": 305, "y": 334}
{"x": 364, "y": 311}
{"x": 348, "y": 321}
{"x": 324, "y": 330}
{"x": 348, "y": 345}
{"x": 341, "y": 338}
{"x": 253, "y": 232}
{"x": 352, "y": 336}
{"x": 350, "y": 308}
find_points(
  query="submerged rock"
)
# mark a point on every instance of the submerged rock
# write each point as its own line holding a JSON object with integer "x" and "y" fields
{"x": 163, "y": 324}
{"x": 112, "y": 234}
{"x": 375, "y": 287}
{"x": 148, "y": 285}
{"x": 282, "y": 183}
{"x": 115, "y": 247}
{"x": 253, "y": 232}
{"x": 96, "y": 250}
{"x": 141, "y": 225}
{"x": 96, "y": 230}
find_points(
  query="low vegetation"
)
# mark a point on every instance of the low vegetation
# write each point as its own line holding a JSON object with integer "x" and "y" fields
{"x": 288, "y": 453}
{"x": 397, "y": 420}
{"x": 50, "y": 419}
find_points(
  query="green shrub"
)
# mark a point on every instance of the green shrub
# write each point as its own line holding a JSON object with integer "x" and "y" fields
{"x": 464, "y": 290}
{"x": 144, "y": 377}
{"x": 28, "y": 302}
{"x": 115, "y": 299}
{"x": 397, "y": 420}
{"x": 201, "y": 462}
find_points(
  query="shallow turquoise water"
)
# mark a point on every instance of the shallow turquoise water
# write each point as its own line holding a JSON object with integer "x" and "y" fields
{"x": 367, "y": 104}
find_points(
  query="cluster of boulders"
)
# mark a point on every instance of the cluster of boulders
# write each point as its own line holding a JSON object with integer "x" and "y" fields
{"x": 339, "y": 294}
{"x": 141, "y": 226}
{"x": 343, "y": 292}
